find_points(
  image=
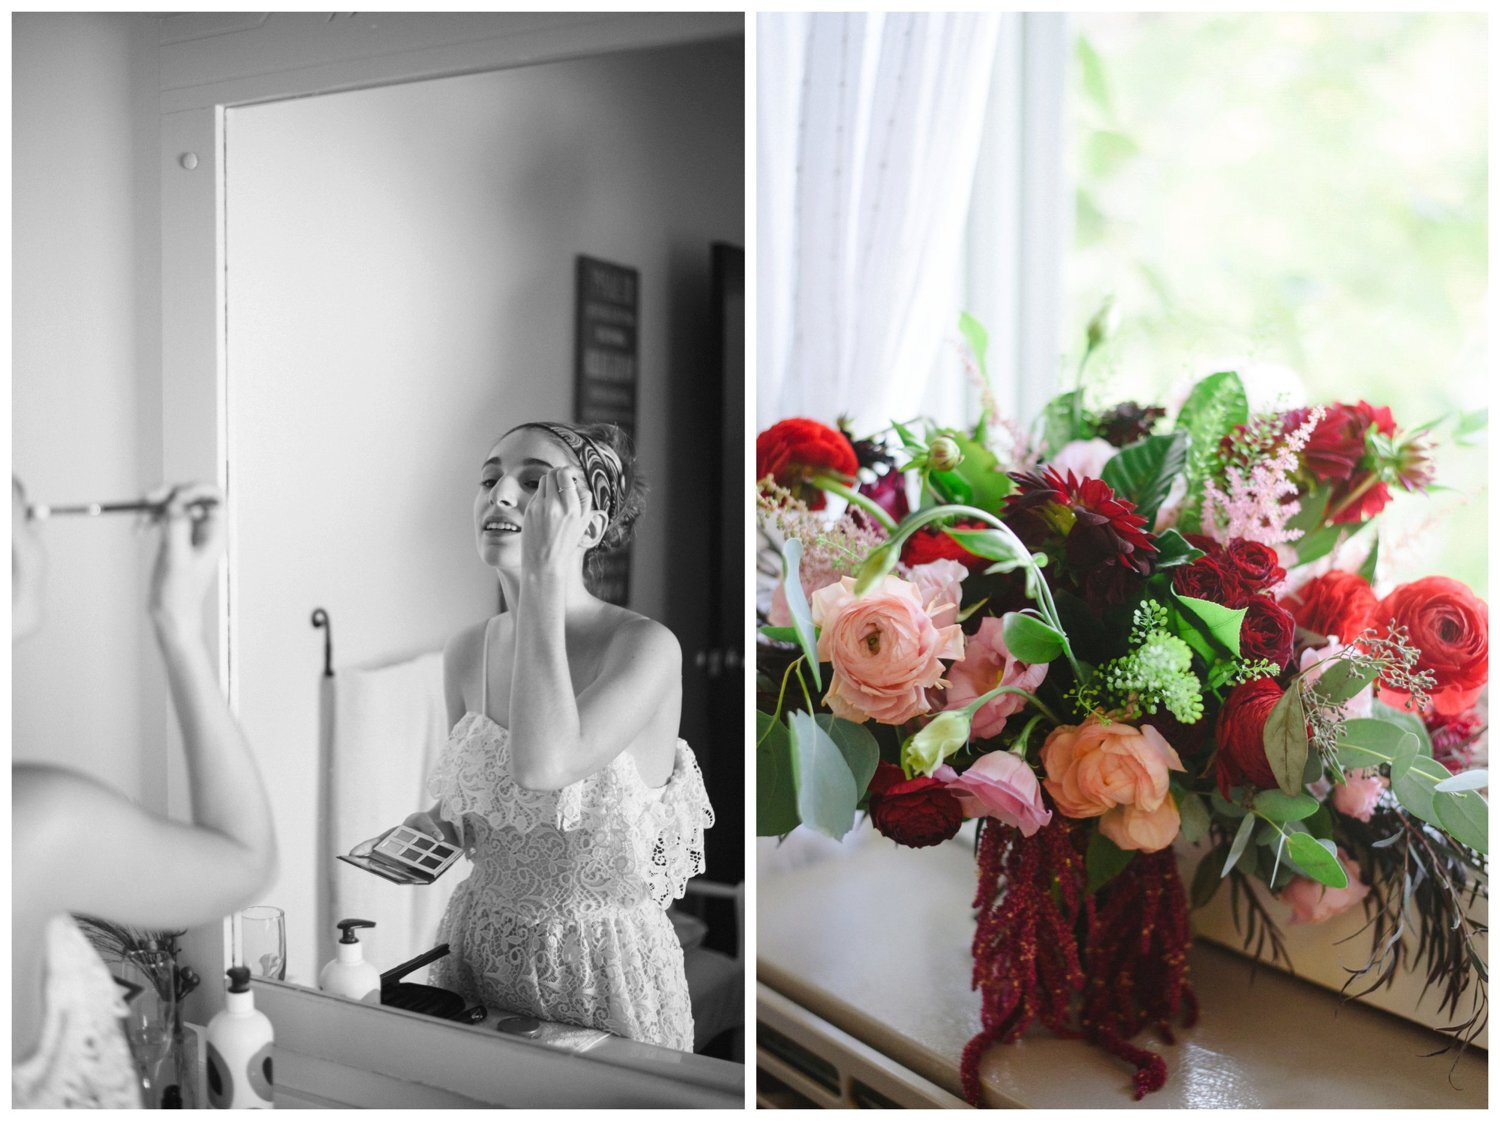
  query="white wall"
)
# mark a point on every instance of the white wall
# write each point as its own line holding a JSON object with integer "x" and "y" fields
{"x": 85, "y": 398}
{"x": 400, "y": 277}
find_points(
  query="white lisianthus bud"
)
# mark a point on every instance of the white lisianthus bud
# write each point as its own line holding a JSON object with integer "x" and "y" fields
{"x": 946, "y": 733}
{"x": 944, "y": 454}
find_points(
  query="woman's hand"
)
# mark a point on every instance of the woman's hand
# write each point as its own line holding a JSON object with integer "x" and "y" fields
{"x": 426, "y": 822}
{"x": 188, "y": 559}
{"x": 556, "y": 520}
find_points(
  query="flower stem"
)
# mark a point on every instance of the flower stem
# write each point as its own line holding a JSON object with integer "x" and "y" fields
{"x": 975, "y": 705}
{"x": 854, "y": 498}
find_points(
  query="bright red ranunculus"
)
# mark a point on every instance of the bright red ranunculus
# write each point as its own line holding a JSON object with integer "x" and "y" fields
{"x": 1267, "y": 632}
{"x": 1241, "y": 735}
{"x": 1212, "y": 578}
{"x": 928, "y": 545}
{"x": 1363, "y": 506}
{"x": 915, "y": 812}
{"x": 1450, "y": 625}
{"x": 791, "y": 451}
{"x": 1257, "y": 565}
{"x": 1337, "y": 603}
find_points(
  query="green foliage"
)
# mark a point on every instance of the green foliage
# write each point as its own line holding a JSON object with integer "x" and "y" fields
{"x": 1195, "y": 818}
{"x": 982, "y": 480}
{"x": 1144, "y": 471}
{"x": 775, "y": 786}
{"x": 797, "y": 607}
{"x": 826, "y": 790}
{"x": 1104, "y": 860}
{"x": 1282, "y": 808}
{"x": 1172, "y": 549}
{"x": 1240, "y": 843}
{"x": 1318, "y": 859}
{"x": 1222, "y": 623}
{"x": 1285, "y": 737}
{"x": 1062, "y": 419}
{"x": 1030, "y": 639}
{"x": 978, "y": 339}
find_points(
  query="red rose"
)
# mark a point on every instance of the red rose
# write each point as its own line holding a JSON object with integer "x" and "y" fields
{"x": 1203, "y": 543}
{"x": 793, "y": 450}
{"x": 914, "y": 812}
{"x": 1241, "y": 731}
{"x": 1211, "y": 578}
{"x": 1258, "y": 566}
{"x": 927, "y": 545}
{"x": 1450, "y": 625}
{"x": 1337, "y": 603}
{"x": 1267, "y": 632}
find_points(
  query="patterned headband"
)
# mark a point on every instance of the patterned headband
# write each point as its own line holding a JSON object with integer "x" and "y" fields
{"x": 601, "y": 466}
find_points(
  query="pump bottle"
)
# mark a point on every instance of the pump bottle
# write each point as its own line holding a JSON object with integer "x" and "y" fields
{"x": 350, "y": 974}
{"x": 239, "y": 1050}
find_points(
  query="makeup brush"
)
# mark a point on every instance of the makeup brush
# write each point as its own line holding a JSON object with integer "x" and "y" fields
{"x": 40, "y": 511}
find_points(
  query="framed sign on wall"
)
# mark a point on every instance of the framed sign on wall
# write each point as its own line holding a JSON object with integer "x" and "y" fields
{"x": 606, "y": 369}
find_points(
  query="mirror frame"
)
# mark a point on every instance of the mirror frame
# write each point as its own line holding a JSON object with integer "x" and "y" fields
{"x": 211, "y": 62}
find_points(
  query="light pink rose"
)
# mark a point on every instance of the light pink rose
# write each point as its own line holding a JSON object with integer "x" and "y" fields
{"x": 1117, "y": 773}
{"x": 1002, "y": 786}
{"x": 1356, "y": 707}
{"x": 940, "y": 584}
{"x": 885, "y": 649}
{"x": 1312, "y": 902}
{"x": 1085, "y": 458}
{"x": 1357, "y": 796}
{"x": 987, "y": 663}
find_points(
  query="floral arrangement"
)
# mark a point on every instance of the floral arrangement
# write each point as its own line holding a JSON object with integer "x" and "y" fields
{"x": 1111, "y": 635}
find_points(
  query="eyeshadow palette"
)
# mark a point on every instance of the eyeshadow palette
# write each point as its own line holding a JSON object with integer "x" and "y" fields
{"x": 404, "y": 856}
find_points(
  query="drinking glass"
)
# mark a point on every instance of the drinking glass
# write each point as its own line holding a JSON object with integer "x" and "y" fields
{"x": 263, "y": 941}
{"x": 151, "y": 1019}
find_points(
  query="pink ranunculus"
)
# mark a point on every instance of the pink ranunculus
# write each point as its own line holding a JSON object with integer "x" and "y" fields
{"x": 987, "y": 663}
{"x": 885, "y": 649}
{"x": 1359, "y": 793}
{"x": 1356, "y": 707}
{"x": 1002, "y": 786}
{"x": 940, "y": 584}
{"x": 1085, "y": 458}
{"x": 1117, "y": 773}
{"x": 1312, "y": 902}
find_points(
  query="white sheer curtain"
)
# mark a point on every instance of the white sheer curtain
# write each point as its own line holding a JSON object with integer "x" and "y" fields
{"x": 868, "y": 130}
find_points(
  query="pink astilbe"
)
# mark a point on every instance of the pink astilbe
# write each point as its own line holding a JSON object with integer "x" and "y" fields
{"x": 831, "y": 547}
{"x": 1258, "y": 501}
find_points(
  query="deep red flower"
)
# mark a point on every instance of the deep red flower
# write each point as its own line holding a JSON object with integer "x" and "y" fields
{"x": 1241, "y": 731}
{"x": 1453, "y": 738}
{"x": 1348, "y": 504}
{"x": 1258, "y": 565}
{"x": 1104, "y": 541}
{"x": 888, "y": 491}
{"x": 929, "y": 544}
{"x": 1267, "y": 632}
{"x": 1337, "y": 446}
{"x": 1212, "y": 578}
{"x": 1203, "y": 543}
{"x": 792, "y": 451}
{"x": 915, "y": 812}
{"x": 1337, "y": 603}
{"x": 1450, "y": 625}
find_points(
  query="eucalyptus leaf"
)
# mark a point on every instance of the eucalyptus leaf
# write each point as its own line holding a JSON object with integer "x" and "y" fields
{"x": 1241, "y": 841}
{"x": 1281, "y": 839}
{"x": 1195, "y": 818}
{"x": 796, "y": 603}
{"x": 826, "y": 791}
{"x": 1414, "y": 788}
{"x": 775, "y": 785}
{"x": 856, "y": 744}
{"x": 1367, "y": 742}
{"x": 1144, "y": 471}
{"x": 1207, "y": 877}
{"x": 1104, "y": 860}
{"x": 1224, "y": 807}
{"x": 1464, "y": 816}
{"x": 1223, "y": 623}
{"x": 1029, "y": 639}
{"x": 1285, "y": 739}
{"x": 1282, "y": 807}
{"x": 1318, "y": 859}
{"x": 1344, "y": 680}
{"x": 1476, "y": 779}
{"x": 1411, "y": 721}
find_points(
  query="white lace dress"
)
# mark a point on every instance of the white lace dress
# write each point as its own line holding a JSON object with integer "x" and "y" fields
{"x": 564, "y": 915}
{"x": 82, "y": 1060}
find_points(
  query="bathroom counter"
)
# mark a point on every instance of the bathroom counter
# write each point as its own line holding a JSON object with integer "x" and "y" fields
{"x": 863, "y": 964}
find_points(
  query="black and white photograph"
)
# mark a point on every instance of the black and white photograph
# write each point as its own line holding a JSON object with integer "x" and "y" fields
{"x": 378, "y": 560}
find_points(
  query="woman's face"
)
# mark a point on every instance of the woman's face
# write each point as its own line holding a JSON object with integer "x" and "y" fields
{"x": 28, "y": 567}
{"x": 508, "y": 481}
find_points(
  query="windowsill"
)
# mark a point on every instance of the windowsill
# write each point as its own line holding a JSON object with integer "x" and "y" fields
{"x": 877, "y": 944}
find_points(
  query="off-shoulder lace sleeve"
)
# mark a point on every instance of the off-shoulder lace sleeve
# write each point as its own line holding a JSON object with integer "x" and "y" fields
{"x": 472, "y": 777}
{"x": 672, "y": 830}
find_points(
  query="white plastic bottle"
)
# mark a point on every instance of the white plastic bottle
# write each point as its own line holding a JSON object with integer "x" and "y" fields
{"x": 350, "y": 974}
{"x": 239, "y": 1050}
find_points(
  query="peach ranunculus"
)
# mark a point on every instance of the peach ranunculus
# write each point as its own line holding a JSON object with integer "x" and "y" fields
{"x": 1312, "y": 902}
{"x": 1117, "y": 773}
{"x": 987, "y": 663}
{"x": 940, "y": 584}
{"x": 885, "y": 649}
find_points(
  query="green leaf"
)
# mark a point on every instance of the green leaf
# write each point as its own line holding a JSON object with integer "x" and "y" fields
{"x": 1281, "y": 807}
{"x": 1241, "y": 842}
{"x": 1318, "y": 859}
{"x": 775, "y": 786}
{"x": 1104, "y": 860}
{"x": 1344, "y": 679}
{"x": 1367, "y": 569}
{"x": 1058, "y": 420}
{"x": 1414, "y": 789}
{"x": 1319, "y": 543}
{"x": 1225, "y": 808}
{"x": 877, "y": 566}
{"x": 1214, "y": 407}
{"x": 1310, "y": 511}
{"x": 1029, "y": 639}
{"x": 1465, "y": 816}
{"x": 856, "y": 744}
{"x": 796, "y": 603}
{"x": 1195, "y": 818}
{"x": 1107, "y": 151}
{"x": 952, "y": 487}
{"x": 1172, "y": 549}
{"x": 978, "y": 339}
{"x": 1144, "y": 471}
{"x": 1206, "y": 878}
{"x": 780, "y": 634}
{"x": 1375, "y": 743}
{"x": 1285, "y": 737}
{"x": 1091, "y": 73}
{"x": 908, "y": 437}
{"x": 1223, "y": 623}
{"x": 1470, "y": 425}
{"x": 1477, "y": 779}
{"x": 826, "y": 793}
{"x": 992, "y": 545}
{"x": 1411, "y": 721}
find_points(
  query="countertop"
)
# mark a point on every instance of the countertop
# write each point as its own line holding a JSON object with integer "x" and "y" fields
{"x": 876, "y": 942}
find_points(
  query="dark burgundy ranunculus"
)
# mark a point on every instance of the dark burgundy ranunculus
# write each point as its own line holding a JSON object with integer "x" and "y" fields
{"x": 915, "y": 812}
{"x": 888, "y": 491}
{"x": 1212, "y": 578}
{"x": 1267, "y": 632}
{"x": 1258, "y": 565}
{"x": 1241, "y": 734}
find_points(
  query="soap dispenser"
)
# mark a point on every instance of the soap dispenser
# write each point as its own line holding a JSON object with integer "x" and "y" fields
{"x": 239, "y": 1050}
{"x": 350, "y": 974}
